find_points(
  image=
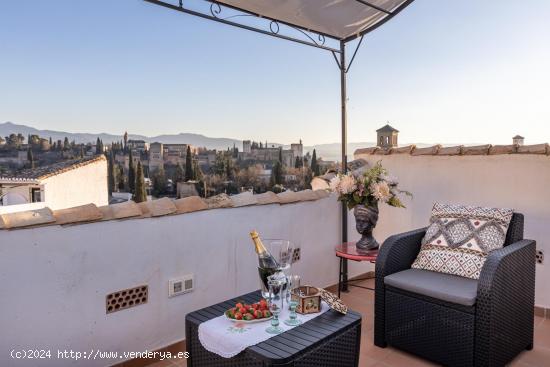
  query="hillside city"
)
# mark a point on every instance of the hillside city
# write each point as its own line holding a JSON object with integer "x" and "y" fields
{"x": 137, "y": 169}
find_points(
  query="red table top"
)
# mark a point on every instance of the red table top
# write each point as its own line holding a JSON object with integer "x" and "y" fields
{"x": 349, "y": 251}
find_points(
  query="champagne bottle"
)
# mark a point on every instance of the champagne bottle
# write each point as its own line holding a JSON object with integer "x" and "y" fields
{"x": 265, "y": 259}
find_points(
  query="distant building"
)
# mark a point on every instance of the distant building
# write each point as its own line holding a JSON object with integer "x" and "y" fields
{"x": 387, "y": 137}
{"x": 174, "y": 154}
{"x": 247, "y": 146}
{"x": 518, "y": 140}
{"x": 156, "y": 152}
{"x": 139, "y": 145}
{"x": 185, "y": 189}
{"x": 59, "y": 185}
{"x": 267, "y": 154}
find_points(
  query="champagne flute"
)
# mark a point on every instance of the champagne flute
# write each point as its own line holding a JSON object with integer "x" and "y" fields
{"x": 276, "y": 284}
{"x": 293, "y": 283}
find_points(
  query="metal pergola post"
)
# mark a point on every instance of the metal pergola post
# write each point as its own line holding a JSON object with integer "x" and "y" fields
{"x": 344, "y": 122}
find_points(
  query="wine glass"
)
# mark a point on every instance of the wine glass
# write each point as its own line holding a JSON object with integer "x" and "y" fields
{"x": 293, "y": 283}
{"x": 276, "y": 283}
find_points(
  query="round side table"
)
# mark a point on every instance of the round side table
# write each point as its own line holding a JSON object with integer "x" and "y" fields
{"x": 348, "y": 251}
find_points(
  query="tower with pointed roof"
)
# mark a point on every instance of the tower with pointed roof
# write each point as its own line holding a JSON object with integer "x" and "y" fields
{"x": 387, "y": 137}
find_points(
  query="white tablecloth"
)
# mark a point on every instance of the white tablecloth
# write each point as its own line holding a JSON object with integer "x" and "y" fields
{"x": 227, "y": 338}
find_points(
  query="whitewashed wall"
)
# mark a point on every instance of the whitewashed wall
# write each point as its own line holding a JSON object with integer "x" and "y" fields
{"x": 514, "y": 181}
{"x": 84, "y": 185}
{"x": 53, "y": 280}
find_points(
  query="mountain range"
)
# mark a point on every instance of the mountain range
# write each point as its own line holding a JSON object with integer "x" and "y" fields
{"x": 198, "y": 140}
{"x": 330, "y": 152}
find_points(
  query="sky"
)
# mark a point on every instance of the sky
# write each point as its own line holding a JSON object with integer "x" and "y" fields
{"x": 441, "y": 71}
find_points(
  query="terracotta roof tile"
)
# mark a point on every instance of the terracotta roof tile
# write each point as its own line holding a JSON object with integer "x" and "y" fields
{"x": 42, "y": 172}
{"x": 456, "y": 150}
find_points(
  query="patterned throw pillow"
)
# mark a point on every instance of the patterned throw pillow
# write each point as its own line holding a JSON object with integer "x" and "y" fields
{"x": 460, "y": 237}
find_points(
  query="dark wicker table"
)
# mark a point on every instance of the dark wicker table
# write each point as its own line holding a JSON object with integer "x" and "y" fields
{"x": 330, "y": 339}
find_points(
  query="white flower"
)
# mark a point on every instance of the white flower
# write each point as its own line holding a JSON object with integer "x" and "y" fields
{"x": 380, "y": 191}
{"x": 392, "y": 180}
{"x": 348, "y": 184}
{"x": 334, "y": 184}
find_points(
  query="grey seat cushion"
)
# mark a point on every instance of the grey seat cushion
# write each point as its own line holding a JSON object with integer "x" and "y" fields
{"x": 445, "y": 287}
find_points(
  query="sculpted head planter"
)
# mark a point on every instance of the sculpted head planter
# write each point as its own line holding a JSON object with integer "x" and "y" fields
{"x": 365, "y": 221}
{"x": 362, "y": 192}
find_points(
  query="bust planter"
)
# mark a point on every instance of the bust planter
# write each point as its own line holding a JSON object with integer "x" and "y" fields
{"x": 362, "y": 193}
{"x": 366, "y": 218}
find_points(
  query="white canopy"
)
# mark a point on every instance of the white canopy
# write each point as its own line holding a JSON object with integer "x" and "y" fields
{"x": 340, "y": 19}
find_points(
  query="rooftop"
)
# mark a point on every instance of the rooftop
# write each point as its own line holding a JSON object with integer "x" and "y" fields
{"x": 387, "y": 129}
{"x": 42, "y": 172}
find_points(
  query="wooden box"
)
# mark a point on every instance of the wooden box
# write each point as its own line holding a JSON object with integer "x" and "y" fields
{"x": 309, "y": 299}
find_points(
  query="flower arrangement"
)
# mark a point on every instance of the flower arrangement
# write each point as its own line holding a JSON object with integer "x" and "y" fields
{"x": 369, "y": 188}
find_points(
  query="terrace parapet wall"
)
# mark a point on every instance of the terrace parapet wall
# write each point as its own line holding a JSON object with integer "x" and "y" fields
{"x": 90, "y": 213}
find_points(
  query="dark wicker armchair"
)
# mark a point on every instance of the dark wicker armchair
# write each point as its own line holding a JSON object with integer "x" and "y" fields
{"x": 452, "y": 320}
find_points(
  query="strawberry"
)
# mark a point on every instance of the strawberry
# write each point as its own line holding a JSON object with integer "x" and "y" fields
{"x": 239, "y": 305}
{"x": 258, "y": 314}
{"x": 255, "y": 306}
{"x": 238, "y": 316}
{"x": 266, "y": 313}
{"x": 242, "y": 310}
{"x": 248, "y": 317}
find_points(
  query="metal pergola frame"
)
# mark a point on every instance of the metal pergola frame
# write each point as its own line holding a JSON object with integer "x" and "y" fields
{"x": 307, "y": 37}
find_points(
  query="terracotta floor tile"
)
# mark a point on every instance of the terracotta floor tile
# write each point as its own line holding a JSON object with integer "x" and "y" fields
{"x": 539, "y": 357}
{"x": 362, "y": 301}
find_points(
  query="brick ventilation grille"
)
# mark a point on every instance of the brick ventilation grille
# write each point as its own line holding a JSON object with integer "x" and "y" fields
{"x": 126, "y": 298}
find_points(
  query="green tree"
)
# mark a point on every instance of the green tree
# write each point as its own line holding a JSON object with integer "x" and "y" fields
{"x": 131, "y": 174}
{"x": 120, "y": 177}
{"x": 81, "y": 151}
{"x": 281, "y": 155}
{"x": 299, "y": 163}
{"x": 179, "y": 175}
{"x": 66, "y": 144}
{"x": 159, "y": 182}
{"x": 30, "y": 158}
{"x": 188, "y": 164}
{"x": 140, "y": 195}
{"x": 111, "y": 174}
{"x": 277, "y": 174}
{"x": 314, "y": 165}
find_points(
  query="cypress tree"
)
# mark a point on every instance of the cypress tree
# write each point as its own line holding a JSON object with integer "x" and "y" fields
{"x": 81, "y": 151}
{"x": 314, "y": 165}
{"x": 131, "y": 174}
{"x": 120, "y": 178}
{"x": 111, "y": 174}
{"x": 281, "y": 155}
{"x": 30, "y": 158}
{"x": 188, "y": 165}
{"x": 66, "y": 144}
{"x": 140, "y": 194}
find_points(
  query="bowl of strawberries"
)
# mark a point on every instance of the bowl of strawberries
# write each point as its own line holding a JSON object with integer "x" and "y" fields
{"x": 249, "y": 313}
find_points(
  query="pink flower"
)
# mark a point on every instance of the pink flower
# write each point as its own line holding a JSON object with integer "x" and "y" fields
{"x": 381, "y": 191}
